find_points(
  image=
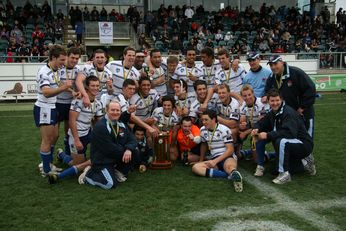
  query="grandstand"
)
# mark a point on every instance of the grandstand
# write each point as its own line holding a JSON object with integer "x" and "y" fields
{"x": 311, "y": 37}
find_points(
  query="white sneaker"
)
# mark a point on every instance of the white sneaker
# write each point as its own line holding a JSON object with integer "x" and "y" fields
{"x": 282, "y": 178}
{"x": 259, "y": 171}
{"x": 81, "y": 178}
{"x": 120, "y": 176}
{"x": 310, "y": 165}
{"x": 53, "y": 169}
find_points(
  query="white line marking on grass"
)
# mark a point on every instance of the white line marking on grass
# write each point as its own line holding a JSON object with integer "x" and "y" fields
{"x": 16, "y": 116}
{"x": 283, "y": 204}
{"x": 252, "y": 225}
{"x": 328, "y": 104}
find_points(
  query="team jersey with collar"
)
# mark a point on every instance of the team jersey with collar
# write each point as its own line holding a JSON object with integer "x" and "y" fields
{"x": 182, "y": 73}
{"x": 65, "y": 73}
{"x": 229, "y": 111}
{"x": 195, "y": 105}
{"x": 257, "y": 79}
{"x": 253, "y": 113}
{"x": 216, "y": 139}
{"x": 46, "y": 77}
{"x": 161, "y": 88}
{"x": 234, "y": 79}
{"x": 168, "y": 122}
{"x": 120, "y": 74}
{"x": 124, "y": 104}
{"x": 145, "y": 105}
{"x": 181, "y": 103}
{"x": 208, "y": 73}
{"x": 86, "y": 114}
{"x": 104, "y": 75}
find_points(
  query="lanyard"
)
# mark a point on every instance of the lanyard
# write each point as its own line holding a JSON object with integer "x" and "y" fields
{"x": 116, "y": 131}
{"x": 251, "y": 115}
{"x": 146, "y": 101}
{"x": 209, "y": 74}
{"x": 168, "y": 121}
{"x": 227, "y": 76}
{"x": 98, "y": 75}
{"x": 187, "y": 72}
{"x": 212, "y": 136}
{"x": 124, "y": 72}
{"x": 55, "y": 75}
{"x": 278, "y": 83}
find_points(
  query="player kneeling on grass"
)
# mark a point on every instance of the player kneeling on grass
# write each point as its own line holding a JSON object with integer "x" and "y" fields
{"x": 80, "y": 122}
{"x": 145, "y": 152}
{"x": 112, "y": 148}
{"x": 218, "y": 139}
{"x": 285, "y": 128}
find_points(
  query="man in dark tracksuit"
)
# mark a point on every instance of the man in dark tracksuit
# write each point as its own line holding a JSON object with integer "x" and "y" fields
{"x": 113, "y": 146}
{"x": 295, "y": 87}
{"x": 284, "y": 127}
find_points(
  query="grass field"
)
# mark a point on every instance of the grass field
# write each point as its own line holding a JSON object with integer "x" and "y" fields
{"x": 173, "y": 199}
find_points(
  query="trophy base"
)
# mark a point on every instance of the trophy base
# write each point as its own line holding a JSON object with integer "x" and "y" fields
{"x": 165, "y": 164}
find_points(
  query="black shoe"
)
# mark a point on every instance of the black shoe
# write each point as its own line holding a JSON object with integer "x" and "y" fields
{"x": 185, "y": 159}
{"x": 52, "y": 178}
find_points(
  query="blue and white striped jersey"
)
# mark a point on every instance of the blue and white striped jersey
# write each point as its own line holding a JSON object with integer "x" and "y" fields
{"x": 253, "y": 113}
{"x": 181, "y": 103}
{"x": 167, "y": 121}
{"x": 208, "y": 73}
{"x": 65, "y": 73}
{"x": 103, "y": 75}
{"x": 234, "y": 79}
{"x": 230, "y": 111}
{"x": 46, "y": 77}
{"x": 145, "y": 105}
{"x": 182, "y": 73}
{"x": 161, "y": 88}
{"x": 120, "y": 73}
{"x": 86, "y": 114}
{"x": 217, "y": 139}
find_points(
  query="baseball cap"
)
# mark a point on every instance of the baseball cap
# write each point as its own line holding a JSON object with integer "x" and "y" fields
{"x": 274, "y": 59}
{"x": 252, "y": 56}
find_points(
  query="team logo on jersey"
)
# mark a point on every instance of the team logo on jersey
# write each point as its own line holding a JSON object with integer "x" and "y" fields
{"x": 289, "y": 83}
{"x": 222, "y": 75}
{"x": 117, "y": 69}
{"x": 62, "y": 72}
{"x": 181, "y": 70}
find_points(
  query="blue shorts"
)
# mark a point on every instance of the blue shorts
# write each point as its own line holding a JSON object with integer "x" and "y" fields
{"x": 63, "y": 111}
{"x": 221, "y": 163}
{"x": 45, "y": 116}
{"x": 85, "y": 140}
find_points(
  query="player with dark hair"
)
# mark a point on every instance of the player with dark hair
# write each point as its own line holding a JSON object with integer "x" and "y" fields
{"x": 218, "y": 140}
{"x": 122, "y": 70}
{"x": 284, "y": 127}
{"x": 146, "y": 153}
{"x": 96, "y": 68}
{"x": 183, "y": 99}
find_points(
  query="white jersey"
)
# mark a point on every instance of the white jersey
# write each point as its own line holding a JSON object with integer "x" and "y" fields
{"x": 181, "y": 103}
{"x": 229, "y": 111}
{"x": 124, "y": 104}
{"x": 195, "y": 105}
{"x": 168, "y": 122}
{"x": 145, "y": 105}
{"x": 208, "y": 73}
{"x": 182, "y": 73}
{"x": 216, "y": 139}
{"x": 120, "y": 73}
{"x": 103, "y": 75}
{"x": 46, "y": 77}
{"x": 86, "y": 114}
{"x": 234, "y": 79}
{"x": 253, "y": 113}
{"x": 161, "y": 88}
{"x": 65, "y": 73}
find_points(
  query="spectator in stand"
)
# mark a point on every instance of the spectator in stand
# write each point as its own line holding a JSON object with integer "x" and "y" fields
{"x": 103, "y": 14}
{"x": 60, "y": 15}
{"x": 314, "y": 45}
{"x": 189, "y": 13}
{"x": 200, "y": 46}
{"x": 279, "y": 49}
{"x": 228, "y": 37}
{"x": 37, "y": 34}
{"x": 192, "y": 44}
{"x": 218, "y": 36}
{"x": 79, "y": 31}
{"x": 263, "y": 46}
{"x": 22, "y": 52}
{"x": 46, "y": 11}
{"x": 17, "y": 33}
{"x": 94, "y": 14}
{"x": 86, "y": 14}
{"x": 59, "y": 29}
{"x": 176, "y": 44}
{"x": 72, "y": 14}
{"x": 209, "y": 43}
